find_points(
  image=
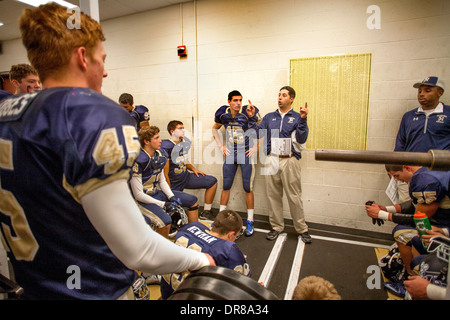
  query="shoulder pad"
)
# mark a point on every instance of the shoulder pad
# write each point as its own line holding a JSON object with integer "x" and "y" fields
{"x": 221, "y": 110}
{"x": 166, "y": 144}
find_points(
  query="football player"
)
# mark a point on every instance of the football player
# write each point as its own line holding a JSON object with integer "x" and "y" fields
{"x": 238, "y": 150}
{"x": 24, "y": 78}
{"x": 430, "y": 192}
{"x": 150, "y": 188}
{"x": 182, "y": 175}
{"x": 139, "y": 113}
{"x": 69, "y": 223}
{"x": 219, "y": 242}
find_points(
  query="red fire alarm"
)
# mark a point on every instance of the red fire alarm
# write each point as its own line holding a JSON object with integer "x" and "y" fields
{"x": 182, "y": 51}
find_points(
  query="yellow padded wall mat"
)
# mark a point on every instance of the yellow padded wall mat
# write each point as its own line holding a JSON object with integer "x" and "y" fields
{"x": 336, "y": 89}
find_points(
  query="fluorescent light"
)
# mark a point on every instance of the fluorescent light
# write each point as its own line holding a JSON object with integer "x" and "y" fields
{"x": 1, "y": 23}
{"x": 37, "y": 3}
{"x": 34, "y": 3}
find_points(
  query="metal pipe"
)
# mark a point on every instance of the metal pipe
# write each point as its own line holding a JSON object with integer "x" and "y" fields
{"x": 438, "y": 160}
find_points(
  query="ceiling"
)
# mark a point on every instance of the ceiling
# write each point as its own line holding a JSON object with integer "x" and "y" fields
{"x": 10, "y": 11}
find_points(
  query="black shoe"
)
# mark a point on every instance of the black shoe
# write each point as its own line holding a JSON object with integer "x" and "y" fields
{"x": 306, "y": 238}
{"x": 207, "y": 215}
{"x": 273, "y": 234}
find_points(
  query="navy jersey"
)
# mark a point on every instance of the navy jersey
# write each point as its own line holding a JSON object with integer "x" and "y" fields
{"x": 236, "y": 127}
{"x": 140, "y": 114}
{"x": 420, "y": 132}
{"x": 178, "y": 154}
{"x": 150, "y": 169}
{"x": 195, "y": 236}
{"x": 57, "y": 145}
{"x": 432, "y": 186}
{"x": 180, "y": 178}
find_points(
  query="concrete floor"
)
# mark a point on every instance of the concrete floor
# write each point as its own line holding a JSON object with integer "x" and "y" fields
{"x": 339, "y": 255}
{"x": 335, "y": 254}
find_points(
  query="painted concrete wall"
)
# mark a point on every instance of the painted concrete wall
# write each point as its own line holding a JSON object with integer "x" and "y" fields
{"x": 246, "y": 45}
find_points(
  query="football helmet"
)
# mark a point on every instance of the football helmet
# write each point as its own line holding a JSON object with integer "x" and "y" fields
{"x": 434, "y": 267}
{"x": 158, "y": 161}
{"x": 140, "y": 289}
{"x": 179, "y": 218}
{"x": 440, "y": 245}
{"x": 392, "y": 265}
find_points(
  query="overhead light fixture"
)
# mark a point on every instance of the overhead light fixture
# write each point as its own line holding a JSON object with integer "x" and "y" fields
{"x": 1, "y": 24}
{"x": 37, "y": 3}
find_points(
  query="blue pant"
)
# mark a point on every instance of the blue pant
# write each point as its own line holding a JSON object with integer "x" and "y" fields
{"x": 191, "y": 181}
{"x": 229, "y": 171}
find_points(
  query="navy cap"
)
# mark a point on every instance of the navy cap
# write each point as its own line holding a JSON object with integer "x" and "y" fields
{"x": 430, "y": 81}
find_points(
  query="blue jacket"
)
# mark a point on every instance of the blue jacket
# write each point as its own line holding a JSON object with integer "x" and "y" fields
{"x": 419, "y": 133}
{"x": 293, "y": 126}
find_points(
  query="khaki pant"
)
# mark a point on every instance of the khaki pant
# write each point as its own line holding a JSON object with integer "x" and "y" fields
{"x": 288, "y": 178}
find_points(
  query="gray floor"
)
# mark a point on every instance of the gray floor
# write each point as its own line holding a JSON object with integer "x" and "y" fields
{"x": 341, "y": 256}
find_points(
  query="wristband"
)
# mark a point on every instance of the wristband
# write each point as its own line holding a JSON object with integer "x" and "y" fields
{"x": 391, "y": 209}
{"x": 383, "y": 215}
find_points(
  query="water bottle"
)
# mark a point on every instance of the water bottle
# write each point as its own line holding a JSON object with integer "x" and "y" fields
{"x": 422, "y": 225}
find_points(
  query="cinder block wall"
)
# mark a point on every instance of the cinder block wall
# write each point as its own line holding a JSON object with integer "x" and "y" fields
{"x": 246, "y": 45}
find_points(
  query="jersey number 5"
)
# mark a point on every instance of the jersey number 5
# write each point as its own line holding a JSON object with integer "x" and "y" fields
{"x": 23, "y": 245}
{"x": 425, "y": 197}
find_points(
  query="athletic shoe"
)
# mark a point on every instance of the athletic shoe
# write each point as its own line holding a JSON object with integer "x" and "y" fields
{"x": 207, "y": 215}
{"x": 396, "y": 288}
{"x": 250, "y": 228}
{"x": 273, "y": 234}
{"x": 306, "y": 238}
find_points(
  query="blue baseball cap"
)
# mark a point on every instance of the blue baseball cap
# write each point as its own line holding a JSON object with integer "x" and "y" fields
{"x": 432, "y": 81}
